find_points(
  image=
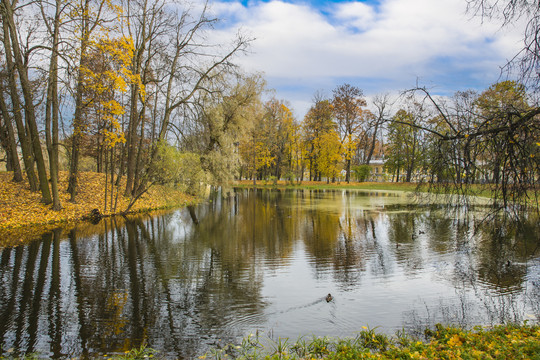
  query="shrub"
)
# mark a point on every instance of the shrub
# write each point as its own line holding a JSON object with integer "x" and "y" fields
{"x": 362, "y": 172}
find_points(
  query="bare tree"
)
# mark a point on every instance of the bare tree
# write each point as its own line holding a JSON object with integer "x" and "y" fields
{"x": 527, "y": 60}
{"x": 382, "y": 113}
{"x": 52, "y": 111}
{"x": 17, "y": 110}
{"x": 348, "y": 101}
{"x": 173, "y": 55}
{"x": 486, "y": 143}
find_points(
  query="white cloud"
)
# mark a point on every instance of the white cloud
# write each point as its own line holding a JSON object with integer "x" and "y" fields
{"x": 395, "y": 42}
{"x": 358, "y": 15}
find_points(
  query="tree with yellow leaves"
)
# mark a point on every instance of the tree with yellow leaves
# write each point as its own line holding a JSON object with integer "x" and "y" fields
{"x": 105, "y": 76}
{"x": 294, "y": 146}
{"x": 317, "y": 122}
{"x": 329, "y": 157}
{"x": 91, "y": 22}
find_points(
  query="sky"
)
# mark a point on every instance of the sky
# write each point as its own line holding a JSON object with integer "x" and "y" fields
{"x": 380, "y": 46}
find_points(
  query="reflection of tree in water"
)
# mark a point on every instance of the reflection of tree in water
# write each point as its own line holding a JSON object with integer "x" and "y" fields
{"x": 495, "y": 274}
{"x": 350, "y": 249}
{"x": 30, "y": 295}
{"x": 504, "y": 249}
{"x": 319, "y": 231}
{"x": 404, "y": 233}
{"x": 252, "y": 221}
{"x": 115, "y": 290}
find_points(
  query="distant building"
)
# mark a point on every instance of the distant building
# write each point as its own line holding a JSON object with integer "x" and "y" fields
{"x": 377, "y": 170}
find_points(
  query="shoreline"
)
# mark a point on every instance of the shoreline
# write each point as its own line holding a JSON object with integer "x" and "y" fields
{"x": 23, "y": 216}
{"x": 281, "y": 184}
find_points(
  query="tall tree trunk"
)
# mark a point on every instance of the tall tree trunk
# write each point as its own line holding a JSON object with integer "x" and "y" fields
{"x": 29, "y": 105}
{"x": 26, "y": 147}
{"x": 139, "y": 161}
{"x": 78, "y": 123}
{"x": 52, "y": 112}
{"x": 130, "y": 148}
{"x": 77, "y": 136}
{"x": 13, "y": 155}
{"x": 131, "y": 144}
{"x": 4, "y": 142}
{"x": 122, "y": 165}
{"x": 373, "y": 141}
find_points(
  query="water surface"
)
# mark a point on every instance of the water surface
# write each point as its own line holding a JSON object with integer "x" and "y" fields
{"x": 263, "y": 261}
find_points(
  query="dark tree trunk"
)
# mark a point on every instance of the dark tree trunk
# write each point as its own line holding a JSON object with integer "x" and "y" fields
{"x": 29, "y": 104}
{"x": 131, "y": 143}
{"x": 26, "y": 147}
{"x": 52, "y": 112}
{"x": 373, "y": 141}
{"x": 78, "y": 123}
{"x": 10, "y": 143}
{"x": 138, "y": 162}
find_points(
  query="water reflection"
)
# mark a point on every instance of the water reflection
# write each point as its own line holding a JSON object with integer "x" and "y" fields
{"x": 264, "y": 260}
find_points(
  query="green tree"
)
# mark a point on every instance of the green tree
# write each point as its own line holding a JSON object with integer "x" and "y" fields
{"x": 226, "y": 121}
{"x": 404, "y": 147}
{"x": 490, "y": 138}
{"x": 362, "y": 172}
{"x": 508, "y": 144}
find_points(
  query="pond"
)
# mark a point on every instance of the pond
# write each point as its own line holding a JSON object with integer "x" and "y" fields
{"x": 263, "y": 261}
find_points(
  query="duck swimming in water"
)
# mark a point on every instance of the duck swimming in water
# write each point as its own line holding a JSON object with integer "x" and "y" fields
{"x": 329, "y": 298}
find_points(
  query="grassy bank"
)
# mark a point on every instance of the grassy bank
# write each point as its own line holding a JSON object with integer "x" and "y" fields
{"x": 499, "y": 342}
{"x": 476, "y": 190}
{"x": 311, "y": 185}
{"x": 22, "y": 213}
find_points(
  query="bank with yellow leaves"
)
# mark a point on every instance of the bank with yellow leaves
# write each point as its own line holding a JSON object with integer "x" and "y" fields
{"x": 22, "y": 213}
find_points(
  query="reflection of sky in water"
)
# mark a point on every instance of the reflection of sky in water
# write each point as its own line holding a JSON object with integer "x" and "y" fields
{"x": 265, "y": 261}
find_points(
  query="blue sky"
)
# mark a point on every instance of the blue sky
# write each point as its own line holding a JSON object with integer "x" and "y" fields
{"x": 381, "y": 46}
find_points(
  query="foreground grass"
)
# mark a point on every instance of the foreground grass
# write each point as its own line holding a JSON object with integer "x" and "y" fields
{"x": 21, "y": 211}
{"x": 500, "y": 342}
